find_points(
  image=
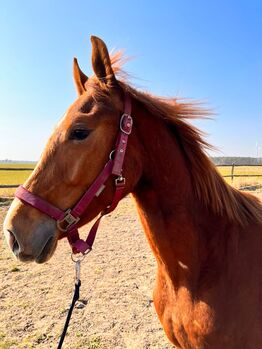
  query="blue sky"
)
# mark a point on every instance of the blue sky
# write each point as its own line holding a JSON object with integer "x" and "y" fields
{"x": 208, "y": 50}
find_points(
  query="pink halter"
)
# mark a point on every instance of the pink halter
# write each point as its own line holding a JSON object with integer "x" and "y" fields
{"x": 67, "y": 220}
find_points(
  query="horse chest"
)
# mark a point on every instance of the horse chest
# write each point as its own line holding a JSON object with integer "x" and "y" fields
{"x": 196, "y": 325}
{"x": 187, "y": 325}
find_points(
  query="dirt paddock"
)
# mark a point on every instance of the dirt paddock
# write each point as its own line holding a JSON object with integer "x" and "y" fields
{"x": 115, "y": 308}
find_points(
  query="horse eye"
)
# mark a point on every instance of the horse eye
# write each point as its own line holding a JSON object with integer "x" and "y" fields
{"x": 79, "y": 134}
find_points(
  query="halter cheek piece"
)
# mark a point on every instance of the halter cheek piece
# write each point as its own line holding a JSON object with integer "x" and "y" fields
{"x": 67, "y": 220}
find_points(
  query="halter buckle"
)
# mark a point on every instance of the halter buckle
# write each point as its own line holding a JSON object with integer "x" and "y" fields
{"x": 126, "y": 123}
{"x": 120, "y": 181}
{"x": 68, "y": 219}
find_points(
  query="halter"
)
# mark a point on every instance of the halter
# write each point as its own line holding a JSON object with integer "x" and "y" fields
{"x": 67, "y": 221}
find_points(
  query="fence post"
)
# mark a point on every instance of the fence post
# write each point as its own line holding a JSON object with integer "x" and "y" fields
{"x": 232, "y": 172}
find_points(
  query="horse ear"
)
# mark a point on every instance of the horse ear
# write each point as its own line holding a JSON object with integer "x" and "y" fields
{"x": 79, "y": 77}
{"x": 101, "y": 61}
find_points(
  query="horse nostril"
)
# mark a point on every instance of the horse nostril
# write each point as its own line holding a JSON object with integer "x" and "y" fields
{"x": 13, "y": 243}
{"x": 16, "y": 248}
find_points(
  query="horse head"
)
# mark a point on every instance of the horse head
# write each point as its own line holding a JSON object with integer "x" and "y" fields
{"x": 75, "y": 154}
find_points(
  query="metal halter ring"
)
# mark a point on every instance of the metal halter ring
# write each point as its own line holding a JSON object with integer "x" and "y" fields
{"x": 79, "y": 257}
{"x": 111, "y": 155}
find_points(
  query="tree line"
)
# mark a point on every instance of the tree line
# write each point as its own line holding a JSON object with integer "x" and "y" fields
{"x": 237, "y": 160}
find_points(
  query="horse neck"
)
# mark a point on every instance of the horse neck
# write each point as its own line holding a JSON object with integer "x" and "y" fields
{"x": 177, "y": 226}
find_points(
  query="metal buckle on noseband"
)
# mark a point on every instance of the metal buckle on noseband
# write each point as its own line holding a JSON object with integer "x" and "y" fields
{"x": 69, "y": 219}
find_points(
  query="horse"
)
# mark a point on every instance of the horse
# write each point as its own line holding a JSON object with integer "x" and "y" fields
{"x": 206, "y": 236}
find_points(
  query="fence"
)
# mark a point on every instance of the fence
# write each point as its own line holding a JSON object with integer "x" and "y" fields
{"x": 10, "y": 186}
{"x": 232, "y": 174}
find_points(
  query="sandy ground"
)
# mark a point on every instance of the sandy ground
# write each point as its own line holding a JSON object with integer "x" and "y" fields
{"x": 115, "y": 308}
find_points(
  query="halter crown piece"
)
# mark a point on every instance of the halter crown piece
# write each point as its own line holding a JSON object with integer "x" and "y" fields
{"x": 67, "y": 221}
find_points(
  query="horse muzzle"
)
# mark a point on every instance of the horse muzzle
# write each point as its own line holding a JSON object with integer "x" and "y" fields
{"x": 34, "y": 240}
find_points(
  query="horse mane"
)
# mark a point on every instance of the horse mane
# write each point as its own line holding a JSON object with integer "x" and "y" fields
{"x": 209, "y": 186}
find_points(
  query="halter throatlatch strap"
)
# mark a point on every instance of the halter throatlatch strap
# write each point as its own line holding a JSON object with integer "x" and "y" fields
{"x": 67, "y": 221}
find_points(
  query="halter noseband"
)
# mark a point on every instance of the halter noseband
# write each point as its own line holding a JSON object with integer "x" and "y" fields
{"x": 67, "y": 220}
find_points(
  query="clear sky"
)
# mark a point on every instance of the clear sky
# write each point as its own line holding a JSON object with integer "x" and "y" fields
{"x": 209, "y": 50}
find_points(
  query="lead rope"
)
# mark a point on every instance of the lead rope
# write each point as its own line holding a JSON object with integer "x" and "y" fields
{"x": 75, "y": 298}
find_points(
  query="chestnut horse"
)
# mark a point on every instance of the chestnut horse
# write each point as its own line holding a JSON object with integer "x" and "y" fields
{"x": 206, "y": 236}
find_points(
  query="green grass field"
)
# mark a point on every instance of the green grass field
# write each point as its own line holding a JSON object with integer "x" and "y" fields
{"x": 13, "y": 177}
{"x": 240, "y": 182}
{"x": 18, "y": 177}
{"x": 16, "y": 165}
{"x": 226, "y": 170}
